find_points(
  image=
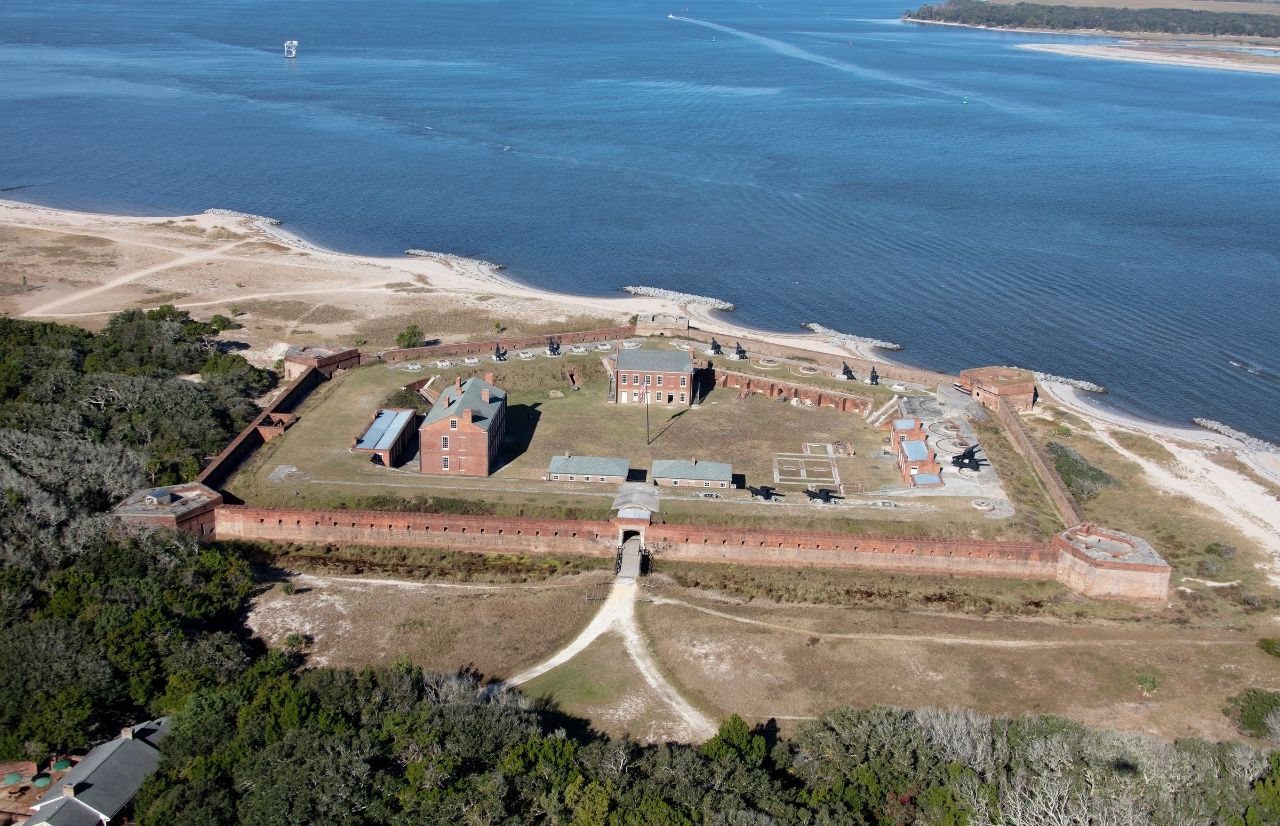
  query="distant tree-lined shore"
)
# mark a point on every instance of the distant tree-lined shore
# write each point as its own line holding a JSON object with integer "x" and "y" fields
{"x": 1097, "y": 18}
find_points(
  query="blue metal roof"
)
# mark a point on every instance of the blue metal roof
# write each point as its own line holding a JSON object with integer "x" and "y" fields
{"x": 385, "y": 429}
{"x": 915, "y": 450}
{"x": 927, "y": 479}
{"x": 904, "y": 424}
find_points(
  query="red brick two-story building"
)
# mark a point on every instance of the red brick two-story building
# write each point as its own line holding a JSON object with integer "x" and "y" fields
{"x": 463, "y": 431}
{"x": 653, "y": 377}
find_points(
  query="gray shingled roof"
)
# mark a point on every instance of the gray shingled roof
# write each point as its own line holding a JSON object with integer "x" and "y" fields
{"x": 589, "y": 466}
{"x": 451, "y": 403}
{"x": 106, "y": 779}
{"x": 699, "y": 470}
{"x": 636, "y": 495}
{"x": 656, "y": 361}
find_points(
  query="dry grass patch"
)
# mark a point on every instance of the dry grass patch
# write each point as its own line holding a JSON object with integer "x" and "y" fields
{"x": 798, "y": 661}
{"x": 353, "y": 622}
{"x": 602, "y": 686}
{"x": 1144, "y": 446}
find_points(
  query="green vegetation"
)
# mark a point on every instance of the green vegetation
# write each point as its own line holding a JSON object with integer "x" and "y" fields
{"x": 1098, "y": 18}
{"x": 1084, "y": 480}
{"x": 1271, "y": 645}
{"x": 1256, "y": 712}
{"x": 1144, "y": 446}
{"x": 121, "y": 387}
{"x": 396, "y": 745}
{"x": 410, "y": 336}
{"x": 422, "y": 563}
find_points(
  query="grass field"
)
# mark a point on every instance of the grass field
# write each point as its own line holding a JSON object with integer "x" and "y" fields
{"x": 311, "y": 465}
{"x": 791, "y": 662}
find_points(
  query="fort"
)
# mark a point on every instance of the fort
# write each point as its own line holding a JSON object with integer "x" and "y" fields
{"x": 1089, "y": 559}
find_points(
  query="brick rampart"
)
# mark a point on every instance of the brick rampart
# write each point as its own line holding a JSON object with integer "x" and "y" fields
{"x": 860, "y": 367}
{"x": 1063, "y": 501}
{"x": 419, "y": 530}
{"x": 844, "y": 402}
{"x": 694, "y": 543}
{"x": 522, "y": 343}
{"x": 254, "y": 436}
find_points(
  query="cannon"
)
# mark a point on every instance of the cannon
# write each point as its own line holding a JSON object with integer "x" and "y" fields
{"x": 968, "y": 459}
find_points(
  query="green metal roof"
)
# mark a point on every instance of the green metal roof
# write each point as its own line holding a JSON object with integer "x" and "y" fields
{"x": 451, "y": 403}
{"x": 698, "y": 471}
{"x": 589, "y": 466}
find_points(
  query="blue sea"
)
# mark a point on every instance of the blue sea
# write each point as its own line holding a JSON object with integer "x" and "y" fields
{"x": 808, "y": 160}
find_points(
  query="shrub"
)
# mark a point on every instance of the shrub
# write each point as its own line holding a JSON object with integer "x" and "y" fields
{"x": 1208, "y": 567}
{"x": 1271, "y": 645}
{"x": 1220, "y": 549}
{"x": 220, "y": 323}
{"x": 1249, "y": 710}
{"x": 1081, "y": 478}
{"x": 410, "y": 336}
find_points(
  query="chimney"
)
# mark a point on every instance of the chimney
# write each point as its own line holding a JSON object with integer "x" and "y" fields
{"x": 68, "y": 790}
{"x": 484, "y": 395}
{"x": 457, "y": 383}
{"x": 567, "y": 454}
{"x": 488, "y": 377}
{"x": 466, "y": 415}
{"x": 693, "y": 460}
{"x": 127, "y": 733}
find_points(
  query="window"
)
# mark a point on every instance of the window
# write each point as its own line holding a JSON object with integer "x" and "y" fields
{"x": 706, "y": 484}
{"x": 648, "y": 379}
{"x": 675, "y": 481}
{"x": 684, "y": 381}
{"x": 659, "y": 381}
{"x": 444, "y": 462}
{"x": 555, "y": 477}
{"x": 635, "y": 395}
{"x": 724, "y": 484}
{"x": 573, "y": 478}
{"x": 586, "y": 478}
{"x": 681, "y": 397}
{"x": 635, "y": 379}
{"x": 444, "y": 442}
{"x": 624, "y": 378}
{"x": 453, "y": 424}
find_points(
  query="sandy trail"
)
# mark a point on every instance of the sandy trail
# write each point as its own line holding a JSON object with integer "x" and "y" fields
{"x": 619, "y": 613}
{"x": 1243, "y": 503}
{"x": 937, "y": 639}
{"x": 180, "y": 261}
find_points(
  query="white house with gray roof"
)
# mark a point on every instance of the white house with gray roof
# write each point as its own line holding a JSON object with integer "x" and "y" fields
{"x": 102, "y": 785}
{"x": 608, "y": 469}
{"x": 691, "y": 473}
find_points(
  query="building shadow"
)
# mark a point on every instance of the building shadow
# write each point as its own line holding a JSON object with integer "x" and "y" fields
{"x": 637, "y": 474}
{"x": 522, "y": 423}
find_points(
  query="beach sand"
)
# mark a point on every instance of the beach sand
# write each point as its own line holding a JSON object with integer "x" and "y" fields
{"x": 80, "y": 268}
{"x": 1152, "y": 53}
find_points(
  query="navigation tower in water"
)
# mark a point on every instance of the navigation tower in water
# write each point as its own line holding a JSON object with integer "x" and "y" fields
{"x": 291, "y": 48}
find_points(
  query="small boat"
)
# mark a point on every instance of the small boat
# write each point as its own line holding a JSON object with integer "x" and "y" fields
{"x": 291, "y": 48}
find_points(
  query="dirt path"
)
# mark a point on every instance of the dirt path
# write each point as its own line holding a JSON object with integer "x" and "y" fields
{"x": 182, "y": 260}
{"x": 619, "y": 613}
{"x": 932, "y": 638}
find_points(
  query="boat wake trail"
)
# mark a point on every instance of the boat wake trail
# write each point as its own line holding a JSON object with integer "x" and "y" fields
{"x": 788, "y": 50}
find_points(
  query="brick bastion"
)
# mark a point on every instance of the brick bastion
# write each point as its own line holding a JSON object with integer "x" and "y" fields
{"x": 1072, "y": 558}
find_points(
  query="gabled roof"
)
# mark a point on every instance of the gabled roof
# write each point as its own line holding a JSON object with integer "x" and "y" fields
{"x": 385, "y": 428}
{"x": 451, "y": 403}
{"x": 106, "y": 779}
{"x": 656, "y": 361}
{"x": 696, "y": 470}
{"x": 589, "y": 466}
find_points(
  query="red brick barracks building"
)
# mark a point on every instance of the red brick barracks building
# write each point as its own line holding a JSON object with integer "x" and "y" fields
{"x": 653, "y": 377}
{"x": 462, "y": 433}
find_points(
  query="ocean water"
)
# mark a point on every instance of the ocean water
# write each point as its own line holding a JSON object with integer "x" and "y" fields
{"x": 809, "y": 160}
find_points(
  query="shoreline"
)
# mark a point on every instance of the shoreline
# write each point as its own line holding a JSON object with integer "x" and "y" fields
{"x": 469, "y": 278}
{"x": 1149, "y": 54}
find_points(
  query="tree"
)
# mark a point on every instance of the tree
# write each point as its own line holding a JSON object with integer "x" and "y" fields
{"x": 410, "y": 336}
